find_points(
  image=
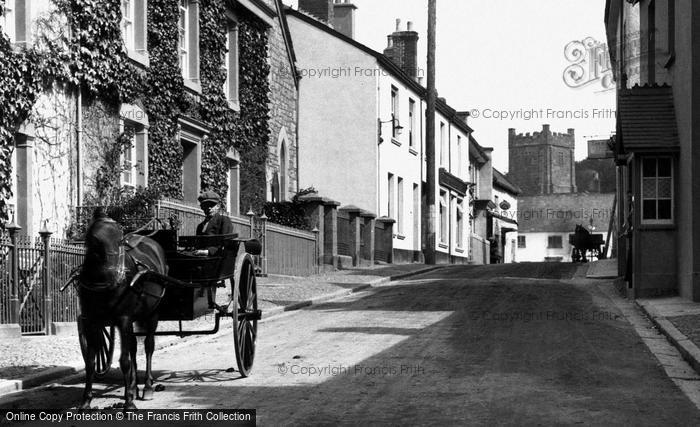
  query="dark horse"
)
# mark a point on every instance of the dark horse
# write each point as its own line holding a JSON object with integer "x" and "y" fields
{"x": 110, "y": 294}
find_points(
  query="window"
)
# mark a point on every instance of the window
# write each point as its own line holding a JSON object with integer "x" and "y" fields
{"x": 443, "y": 217}
{"x": 657, "y": 190}
{"x": 391, "y": 196}
{"x": 8, "y": 21}
{"x": 474, "y": 179}
{"x": 231, "y": 65}
{"x": 234, "y": 187}
{"x": 554, "y": 242}
{"x": 522, "y": 242}
{"x": 134, "y": 29}
{"x": 460, "y": 223}
{"x": 191, "y": 136}
{"x": 188, "y": 28}
{"x": 134, "y": 156}
{"x": 16, "y": 20}
{"x": 394, "y": 111}
{"x": 283, "y": 172}
{"x": 128, "y": 156}
{"x": 184, "y": 37}
{"x": 459, "y": 156}
{"x": 400, "y": 206}
{"x": 443, "y": 148}
{"x": 561, "y": 159}
{"x": 128, "y": 23}
{"x": 411, "y": 122}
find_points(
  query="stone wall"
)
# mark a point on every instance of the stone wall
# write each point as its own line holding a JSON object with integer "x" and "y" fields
{"x": 283, "y": 113}
{"x": 542, "y": 162}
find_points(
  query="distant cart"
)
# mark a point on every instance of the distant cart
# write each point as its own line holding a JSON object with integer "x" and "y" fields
{"x": 586, "y": 245}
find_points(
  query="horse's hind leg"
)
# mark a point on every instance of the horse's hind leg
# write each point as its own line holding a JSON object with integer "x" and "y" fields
{"x": 90, "y": 337}
{"x": 149, "y": 346}
{"x": 133, "y": 345}
{"x": 126, "y": 334}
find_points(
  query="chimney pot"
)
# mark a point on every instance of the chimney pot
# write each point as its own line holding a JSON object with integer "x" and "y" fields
{"x": 403, "y": 50}
{"x": 409, "y": 26}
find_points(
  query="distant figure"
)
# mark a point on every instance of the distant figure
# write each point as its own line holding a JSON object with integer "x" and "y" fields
{"x": 215, "y": 223}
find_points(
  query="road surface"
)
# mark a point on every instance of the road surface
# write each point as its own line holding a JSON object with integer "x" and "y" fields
{"x": 517, "y": 344}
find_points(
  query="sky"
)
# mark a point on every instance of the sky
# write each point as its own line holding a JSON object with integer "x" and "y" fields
{"x": 505, "y": 61}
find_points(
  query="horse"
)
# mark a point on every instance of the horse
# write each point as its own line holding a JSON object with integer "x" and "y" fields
{"x": 110, "y": 293}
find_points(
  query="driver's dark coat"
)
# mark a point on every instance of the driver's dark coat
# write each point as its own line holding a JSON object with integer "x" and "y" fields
{"x": 216, "y": 225}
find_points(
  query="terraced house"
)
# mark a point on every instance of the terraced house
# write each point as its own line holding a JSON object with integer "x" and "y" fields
{"x": 173, "y": 96}
{"x": 362, "y": 123}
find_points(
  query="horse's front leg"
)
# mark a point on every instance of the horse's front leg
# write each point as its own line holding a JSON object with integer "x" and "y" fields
{"x": 149, "y": 346}
{"x": 126, "y": 363}
{"x": 89, "y": 336}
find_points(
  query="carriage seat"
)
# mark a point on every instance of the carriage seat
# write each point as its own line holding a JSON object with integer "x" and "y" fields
{"x": 222, "y": 241}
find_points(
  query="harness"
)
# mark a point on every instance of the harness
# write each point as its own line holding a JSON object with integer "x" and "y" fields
{"x": 127, "y": 245}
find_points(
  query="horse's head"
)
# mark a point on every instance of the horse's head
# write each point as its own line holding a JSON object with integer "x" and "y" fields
{"x": 104, "y": 253}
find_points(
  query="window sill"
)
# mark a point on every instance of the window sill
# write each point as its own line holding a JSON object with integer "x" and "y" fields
{"x": 395, "y": 142}
{"x": 657, "y": 227}
{"x": 193, "y": 85}
{"x": 138, "y": 57}
{"x": 413, "y": 151}
{"x": 459, "y": 250}
{"x": 443, "y": 245}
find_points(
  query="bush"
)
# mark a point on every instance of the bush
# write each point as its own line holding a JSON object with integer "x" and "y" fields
{"x": 129, "y": 207}
{"x": 290, "y": 214}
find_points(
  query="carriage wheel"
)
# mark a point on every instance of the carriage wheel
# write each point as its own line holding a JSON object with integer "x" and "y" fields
{"x": 245, "y": 316}
{"x": 103, "y": 358}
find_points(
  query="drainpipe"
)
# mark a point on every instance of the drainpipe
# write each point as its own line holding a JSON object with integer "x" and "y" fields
{"x": 79, "y": 143}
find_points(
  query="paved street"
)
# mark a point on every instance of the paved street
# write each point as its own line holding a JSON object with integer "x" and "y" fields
{"x": 517, "y": 344}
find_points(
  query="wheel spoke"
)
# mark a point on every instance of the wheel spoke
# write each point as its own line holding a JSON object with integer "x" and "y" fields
{"x": 241, "y": 345}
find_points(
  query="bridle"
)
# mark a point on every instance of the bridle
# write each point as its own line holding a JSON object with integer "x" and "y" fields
{"x": 115, "y": 261}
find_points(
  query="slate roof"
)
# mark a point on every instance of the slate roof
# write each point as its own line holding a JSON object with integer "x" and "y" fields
{"x": 648, "y": 118}
{"x": 501, "y": 181}
{"x": 560, "y": 213}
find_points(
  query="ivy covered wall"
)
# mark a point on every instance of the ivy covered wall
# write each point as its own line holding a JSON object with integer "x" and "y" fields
{"x": 92, "y": 59}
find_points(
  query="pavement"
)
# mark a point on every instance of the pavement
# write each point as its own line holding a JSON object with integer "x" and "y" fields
{"x": 676, "y": 318}
{"x": 32, "y": 361}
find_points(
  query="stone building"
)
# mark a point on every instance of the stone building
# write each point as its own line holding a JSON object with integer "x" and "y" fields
{"x": 542, "y": 162}
{"x": 550, "y": 205}
{"x": 63, "y": 148}
{"x": 282, "y": 170}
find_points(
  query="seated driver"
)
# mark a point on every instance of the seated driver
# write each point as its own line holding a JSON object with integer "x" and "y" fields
{"x": 215, "y": 223}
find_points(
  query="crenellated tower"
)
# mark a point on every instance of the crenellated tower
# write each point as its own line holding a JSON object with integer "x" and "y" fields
{"x": 542, "y": 163}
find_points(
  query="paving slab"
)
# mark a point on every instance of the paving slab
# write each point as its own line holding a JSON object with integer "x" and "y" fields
{"x": 603, "y": 269}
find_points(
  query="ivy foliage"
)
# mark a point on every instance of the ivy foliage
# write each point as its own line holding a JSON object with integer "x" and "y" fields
{"x": 246, "y": 130}
{"x": 164, "y": 98}
{"x": 19, "y": 87}
{"x": 98, "y": 61}
{"x": 91, "y": 57}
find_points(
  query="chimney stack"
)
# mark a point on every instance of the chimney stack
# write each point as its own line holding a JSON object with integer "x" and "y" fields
{"x": 344, "y": 17}
{"x": 321, "y": 9}
{"x": 403, "y": 49}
